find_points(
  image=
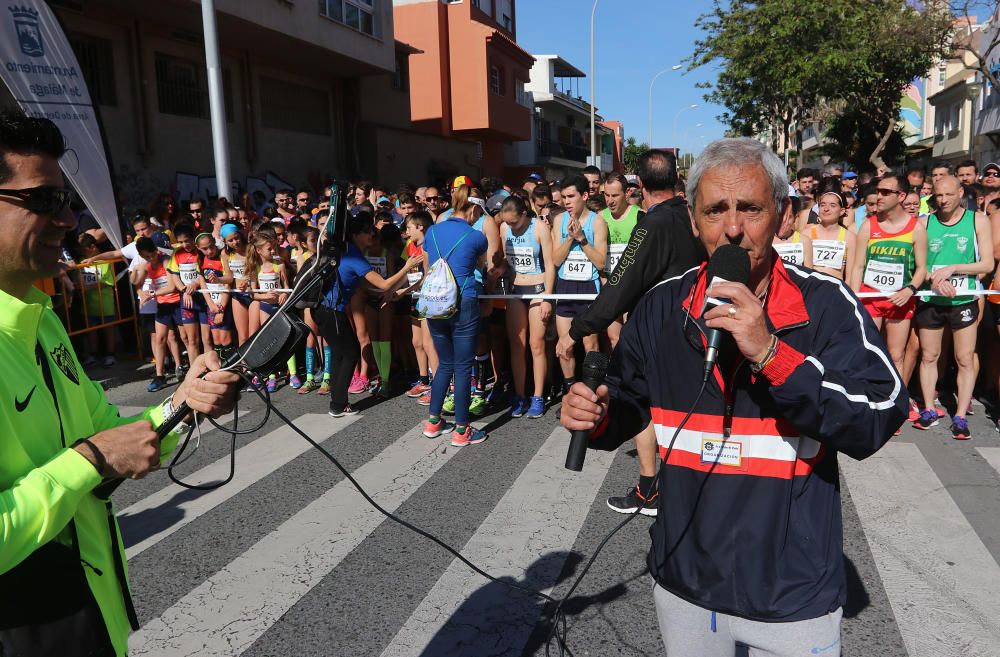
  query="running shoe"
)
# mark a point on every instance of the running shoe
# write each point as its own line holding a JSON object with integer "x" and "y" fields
{"x": 346, "y": 410}
{"x": 308, "y": 386}
{"x": 536, "y": 408}
{"x": 294, "y": 382}
{"x": 89, "y": 361}
{"x": 519, "y": 406}
{"x": 435, "y": 429}
{"x": 272, "y": 385}
{"x": 928, "y": 418}
{"x": 381, "y": 391}
{"x": 359, "y": 384}
{"x": 471, "y": 436}
{"x": 914, "y": 411}
{"x": 478, "y": 405}
{"x": 324, "y": 388}
{"x": 158, "y": 383}
{"x": 940, "y": 411}
{"x": 418, "y": 390}
{"x": 960, "y": 428}
{"x": 108, "y": 361}
{"x": 179, "y": 373}
{"x": 374, "y": 383}
{"x": 425, "y": 399}
{"x": 449, "y": 405}
{"x": 634, "y": 500}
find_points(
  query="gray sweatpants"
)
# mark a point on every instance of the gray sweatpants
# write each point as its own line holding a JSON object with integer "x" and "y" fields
{"x": 690, "y": 631}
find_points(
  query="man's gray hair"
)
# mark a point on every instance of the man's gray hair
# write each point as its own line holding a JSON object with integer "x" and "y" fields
{"x": 738, "y": 152}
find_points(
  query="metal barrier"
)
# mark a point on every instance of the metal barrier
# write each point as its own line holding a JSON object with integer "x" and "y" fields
{"x": 90, "y": 280}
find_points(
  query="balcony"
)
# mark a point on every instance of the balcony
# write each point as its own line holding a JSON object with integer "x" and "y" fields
{"x": 552, "y": 148}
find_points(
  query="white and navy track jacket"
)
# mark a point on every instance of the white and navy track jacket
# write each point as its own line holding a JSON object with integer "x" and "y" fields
{"x": 749, "y": 519}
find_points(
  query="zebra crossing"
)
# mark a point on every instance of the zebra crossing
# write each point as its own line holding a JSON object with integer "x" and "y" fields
{"x": 289, "y": 559}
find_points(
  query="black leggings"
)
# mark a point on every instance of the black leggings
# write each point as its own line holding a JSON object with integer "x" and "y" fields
{"x": 345, "y": 350}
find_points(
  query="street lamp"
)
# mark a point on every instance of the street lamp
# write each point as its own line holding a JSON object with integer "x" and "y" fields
{"x": 677, "y": 116}
{"x": 675, "y": 67}
{"x": 593, "y": 90}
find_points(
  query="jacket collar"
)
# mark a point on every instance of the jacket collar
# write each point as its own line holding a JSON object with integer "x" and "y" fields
{"x": 784, "y": 305}
{"x": 19, "y": 318}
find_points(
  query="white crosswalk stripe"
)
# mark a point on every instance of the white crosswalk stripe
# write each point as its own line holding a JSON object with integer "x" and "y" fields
{"x": 936, "y": 571}
{"x": 227, "y": 612}
{"x": 523, "y": 540}
{"x": 164, "y": 512}
{"x": 992, "y": 456}
{"x": 940, "y": 578}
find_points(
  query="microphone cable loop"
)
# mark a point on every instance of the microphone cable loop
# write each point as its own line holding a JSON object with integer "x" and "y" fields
{"x": 559, "y": 629}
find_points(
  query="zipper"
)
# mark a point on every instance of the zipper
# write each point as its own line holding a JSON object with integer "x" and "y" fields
{"x": 133, "y": 619}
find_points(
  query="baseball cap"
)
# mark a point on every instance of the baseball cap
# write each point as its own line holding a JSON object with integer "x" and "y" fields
{"x": 461, "y": 180}
{"x": 494, "y": 202}
{"x": 849, "y": 175}
{"x": 991, "y": 165}
{"x": 534, "y": 177}
{"x": 228, "y": 230}
{"x": 383, "y": 199}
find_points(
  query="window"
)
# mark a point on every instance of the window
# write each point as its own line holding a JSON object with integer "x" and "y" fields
{"x": 942, "y": 73}
{"x": 182, "y": 88}
{"x": 358, "y": 14}
{"x": 401, "y": 76}
{"x": 505, "y": 14}
{"x": 485, "y": 6}
{"x": 498, "y": 84}
{"x": 522, "y": 96}
{"x": 97, "y": 64}
{"x": 289, "y": 106}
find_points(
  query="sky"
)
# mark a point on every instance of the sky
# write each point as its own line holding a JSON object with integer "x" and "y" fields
{"x": 635, "y": 40}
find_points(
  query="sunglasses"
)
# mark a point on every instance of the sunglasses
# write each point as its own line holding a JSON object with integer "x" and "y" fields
{"x": 991, "y": 174}
{"x": 41, "y": 200}
{"x": 886, "y": 192}
{"x": 431, "y": 199}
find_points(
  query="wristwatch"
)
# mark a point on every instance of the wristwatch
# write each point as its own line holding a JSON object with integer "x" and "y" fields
{"x": 912, "y": 289}
{"x": 583, "y": 241}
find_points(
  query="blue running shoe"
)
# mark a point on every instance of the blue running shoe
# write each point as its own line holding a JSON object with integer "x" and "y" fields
{"x": 537, "y": 408}
{"x": 518, "y": 406}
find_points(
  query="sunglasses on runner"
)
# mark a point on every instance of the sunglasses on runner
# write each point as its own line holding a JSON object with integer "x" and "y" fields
{"x": 41, "y": 200}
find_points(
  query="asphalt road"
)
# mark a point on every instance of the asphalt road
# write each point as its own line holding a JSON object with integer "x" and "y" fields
{"x": 288, "y": 559}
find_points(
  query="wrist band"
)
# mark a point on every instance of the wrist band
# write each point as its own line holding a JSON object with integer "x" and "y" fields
{"x": 102, "y": 463}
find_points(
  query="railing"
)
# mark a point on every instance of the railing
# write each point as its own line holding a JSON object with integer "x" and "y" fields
{"x": 552, "y": 148}
{"x": 90, "y": 303}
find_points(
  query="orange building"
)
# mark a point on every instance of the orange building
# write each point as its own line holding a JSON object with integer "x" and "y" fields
{"x": 618, "y": 133}
{"x": 467, "y": 81}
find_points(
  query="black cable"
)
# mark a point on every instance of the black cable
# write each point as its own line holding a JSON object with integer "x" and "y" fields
{"x": 559, "y": 621}
{"x": 655, "y": 488}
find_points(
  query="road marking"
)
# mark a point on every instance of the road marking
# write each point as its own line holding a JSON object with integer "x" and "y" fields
{"x": 938, "y": 575}
{"x": 992, "y": 456}
{"x": 159, "y": 515}
{"x": 525, "y": 539}
{"x": 228, "y": 612}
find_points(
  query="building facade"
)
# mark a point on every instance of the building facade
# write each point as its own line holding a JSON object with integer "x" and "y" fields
{"x": 559, "y": 143}
{"x": 467, "y": 80}
{"x": 292, "y": 78}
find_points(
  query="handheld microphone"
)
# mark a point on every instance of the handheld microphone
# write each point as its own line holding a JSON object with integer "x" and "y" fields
{"x": 729, "y": 263}
{"x": 595, "y": 367}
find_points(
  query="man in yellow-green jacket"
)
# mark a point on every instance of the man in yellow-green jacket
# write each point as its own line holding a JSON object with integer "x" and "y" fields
{"x": 63, "y": 581}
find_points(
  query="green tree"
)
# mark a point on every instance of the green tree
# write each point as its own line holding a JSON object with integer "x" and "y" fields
{"x": 811, "y": 61}
{"x": 632, "y": 152}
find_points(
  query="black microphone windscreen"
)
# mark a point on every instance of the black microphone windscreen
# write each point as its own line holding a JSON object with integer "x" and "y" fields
{"x": 731, "y": 263}
{"x": 595, "y": 366}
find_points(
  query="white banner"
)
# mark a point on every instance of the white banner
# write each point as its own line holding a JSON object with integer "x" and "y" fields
{"x": 40, "y": 69}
